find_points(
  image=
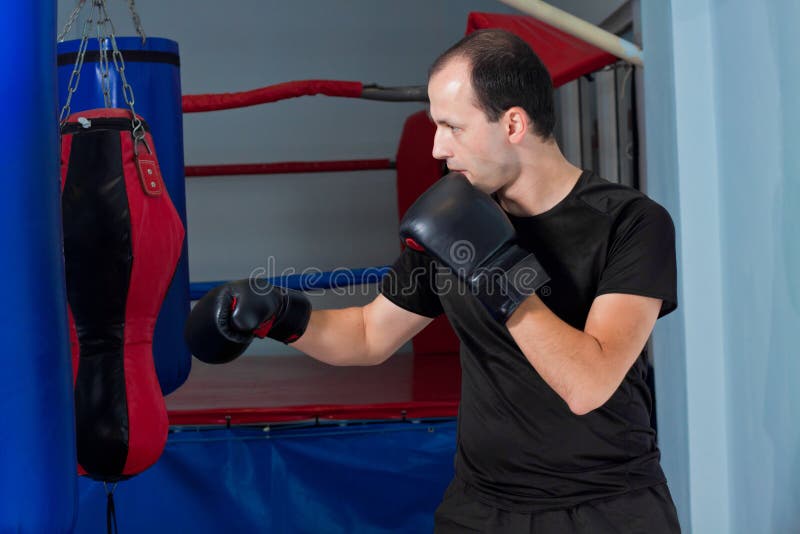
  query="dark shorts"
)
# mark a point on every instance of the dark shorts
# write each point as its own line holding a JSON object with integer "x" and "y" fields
{"x": 648, "y": 510}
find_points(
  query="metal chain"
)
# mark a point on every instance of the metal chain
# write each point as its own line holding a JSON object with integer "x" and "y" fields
{"x": 75, "y": 76}
{"x": 102, "y": 48}
{"x": 105, "y": 32}
{"x": 127, "y": 90}
{"x": 137, "y": 22}
{"x": 72, "y": 17}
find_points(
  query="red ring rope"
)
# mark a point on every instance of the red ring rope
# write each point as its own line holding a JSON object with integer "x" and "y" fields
{"x": 271, "y": 93}
{"x": 288, "y": 167}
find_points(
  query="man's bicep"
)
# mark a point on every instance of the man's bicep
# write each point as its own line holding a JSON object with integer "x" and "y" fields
{"x": 388, "y": 326}
{"x": 621, "y": 324}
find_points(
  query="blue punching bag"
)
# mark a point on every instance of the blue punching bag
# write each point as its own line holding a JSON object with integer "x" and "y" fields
{"x": 153, "y": 71}
{"x": 38, "y": 486}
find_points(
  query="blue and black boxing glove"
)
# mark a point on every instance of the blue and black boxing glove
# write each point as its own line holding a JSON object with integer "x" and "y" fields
{"x": 465, "y": 229}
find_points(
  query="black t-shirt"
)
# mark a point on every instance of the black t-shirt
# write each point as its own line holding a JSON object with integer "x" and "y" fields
{"x": 519, "y": 446}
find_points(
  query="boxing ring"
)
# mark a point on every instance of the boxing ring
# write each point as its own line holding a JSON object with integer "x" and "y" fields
{"x": 286, "y": 443}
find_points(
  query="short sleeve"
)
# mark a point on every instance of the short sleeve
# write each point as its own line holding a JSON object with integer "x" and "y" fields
{"x": 410, "y": 284}
{"x": 641, "y": 256}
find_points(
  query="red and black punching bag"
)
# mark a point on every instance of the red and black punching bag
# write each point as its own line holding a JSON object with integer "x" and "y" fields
{"x": 122, "y": 242}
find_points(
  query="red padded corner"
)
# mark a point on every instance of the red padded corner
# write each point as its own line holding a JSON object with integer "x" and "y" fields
{"x": 417, "y": 170}
{"x": 566, "y": 57}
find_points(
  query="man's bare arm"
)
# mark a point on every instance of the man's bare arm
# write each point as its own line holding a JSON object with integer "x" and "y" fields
{"x": 366, "y": 335}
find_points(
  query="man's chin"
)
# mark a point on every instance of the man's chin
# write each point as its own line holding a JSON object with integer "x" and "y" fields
{"x": 467, "y": 175}
{"x": 480, "y": 186}
{"x": 475, "y": 182}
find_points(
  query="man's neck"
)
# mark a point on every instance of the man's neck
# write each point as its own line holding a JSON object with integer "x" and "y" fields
{"x": 546, "y": 178}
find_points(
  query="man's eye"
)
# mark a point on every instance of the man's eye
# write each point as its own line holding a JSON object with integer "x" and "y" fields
{"x": 454, "y": 128}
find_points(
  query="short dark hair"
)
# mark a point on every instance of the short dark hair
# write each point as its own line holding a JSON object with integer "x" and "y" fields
{"x": 506, "y": 72}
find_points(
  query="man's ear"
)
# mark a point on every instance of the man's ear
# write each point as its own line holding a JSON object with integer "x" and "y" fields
{"x": 517, "y": 124}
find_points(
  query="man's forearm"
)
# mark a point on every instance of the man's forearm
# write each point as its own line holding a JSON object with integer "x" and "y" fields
{"x": 337, "y": 337}
{"x": 566, "y": 358}
{"x": 585, "y": 367}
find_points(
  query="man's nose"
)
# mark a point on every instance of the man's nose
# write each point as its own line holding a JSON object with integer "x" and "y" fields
{"x": 440, "y": 148}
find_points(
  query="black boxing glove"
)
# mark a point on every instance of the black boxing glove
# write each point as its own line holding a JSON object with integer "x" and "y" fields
{"x": 465, "y": 229}
{"x": 224, "y": 322}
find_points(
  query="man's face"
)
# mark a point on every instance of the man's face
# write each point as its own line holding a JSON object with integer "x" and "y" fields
{"x": 465, "y": 138}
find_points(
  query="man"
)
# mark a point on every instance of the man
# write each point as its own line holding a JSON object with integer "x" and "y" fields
{"x": 557, "y": 278}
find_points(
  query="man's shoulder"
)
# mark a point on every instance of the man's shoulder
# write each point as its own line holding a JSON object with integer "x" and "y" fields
{"x": 615, "y": 200}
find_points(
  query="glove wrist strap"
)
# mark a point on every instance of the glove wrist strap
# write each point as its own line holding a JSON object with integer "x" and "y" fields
{"x": 510, "y": 277}
{"x": 291, "y": 321}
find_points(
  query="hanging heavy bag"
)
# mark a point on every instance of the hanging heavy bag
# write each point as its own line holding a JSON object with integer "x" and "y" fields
{"x": 122, "y": 241}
